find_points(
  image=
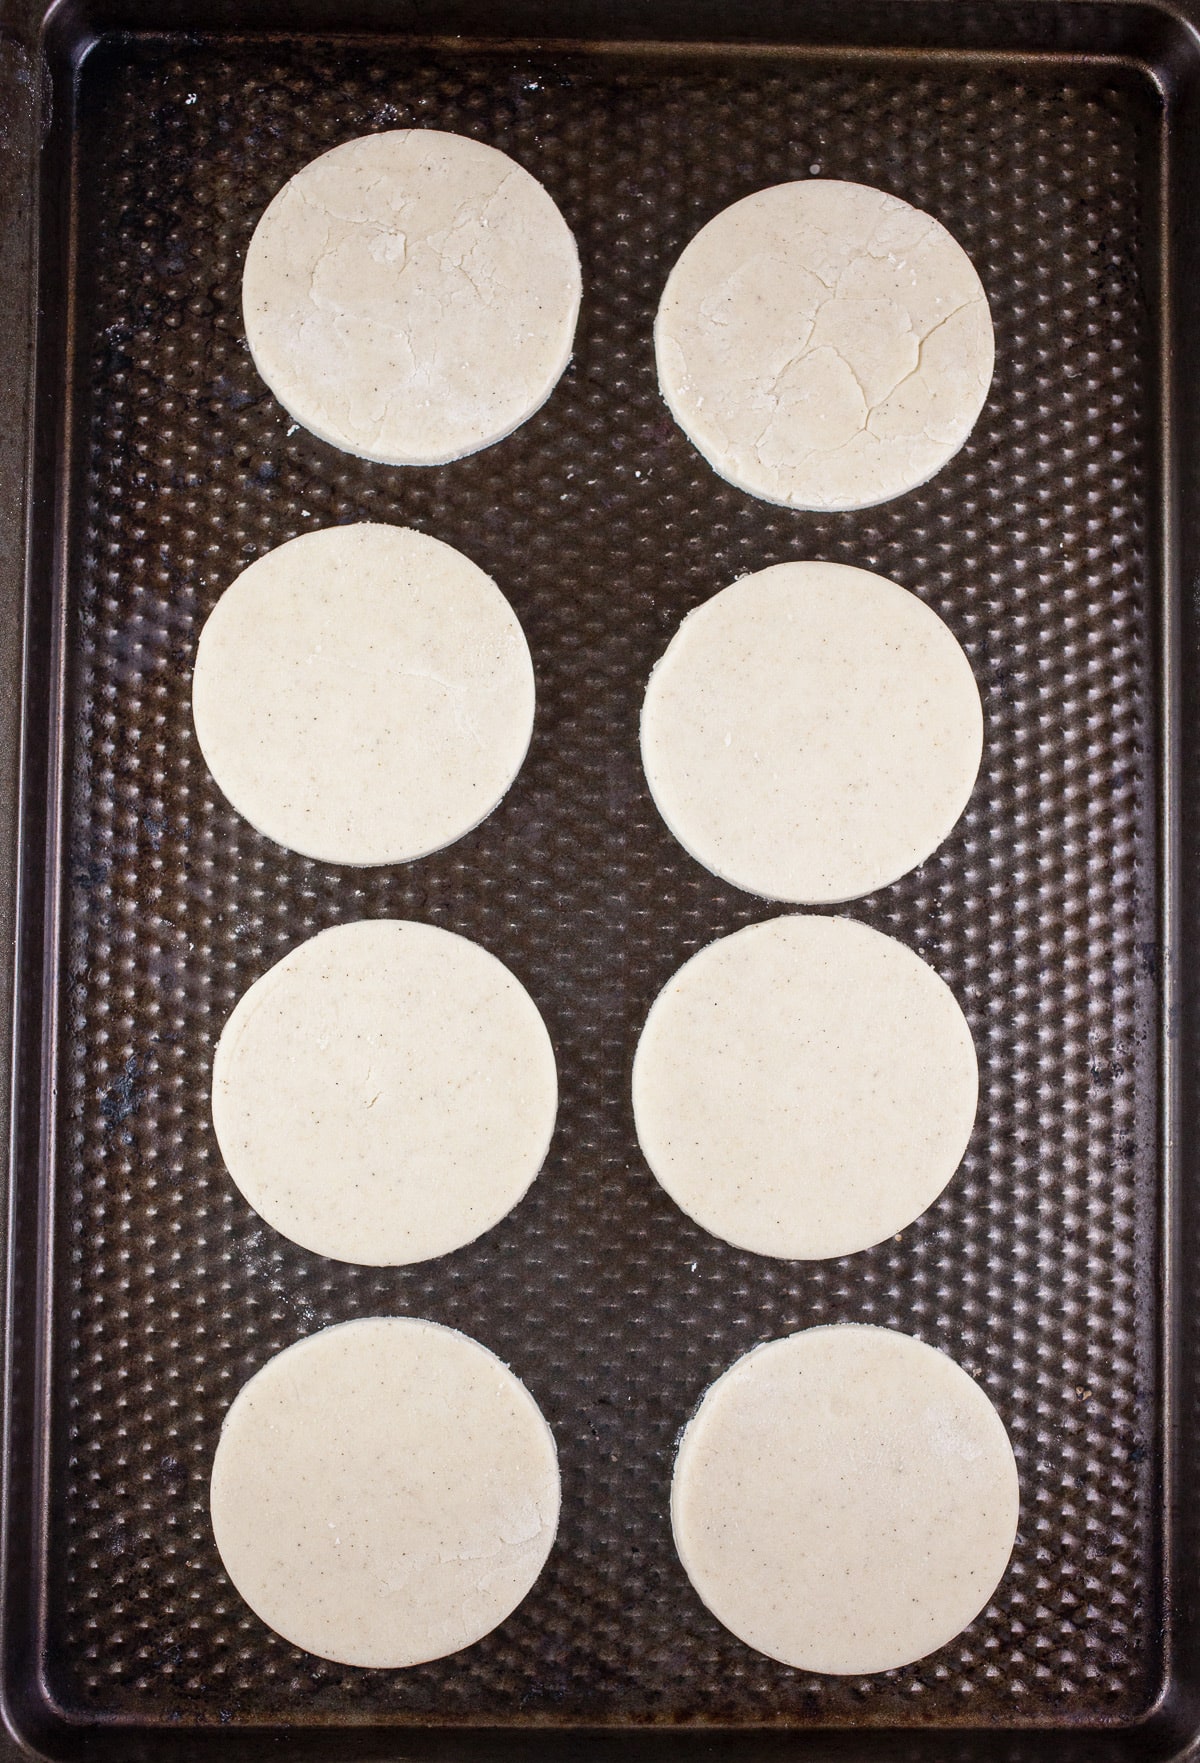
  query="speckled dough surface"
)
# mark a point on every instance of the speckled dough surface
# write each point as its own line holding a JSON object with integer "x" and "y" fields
{"x": 385, "y": 1093}
{"x": 805, "y": 1087}
{"x": 812, "y": 732}
{"x": 845, "y": 1500}
{"x": 824, "y": 345}
{"x": 411, "y": 296}
{"x": 384, "y": 1492}
{"x": 363, "y": 694}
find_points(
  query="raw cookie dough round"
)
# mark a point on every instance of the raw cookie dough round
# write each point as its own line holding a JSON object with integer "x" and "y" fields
{"x": 845, "y": 1499}
{"x": 411, "y": 297}
{"x": 385, "y": 1093}
{"x": 805, "y": 1087}
{"x": 824, "y": 345}
{"x": 363, "y": 694}
{"x": 812, "y": 732}
{"x": 384, "y": 1492}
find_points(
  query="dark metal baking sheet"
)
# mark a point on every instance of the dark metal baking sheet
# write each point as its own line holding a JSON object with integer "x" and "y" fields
{"x": 1058, "y": 142}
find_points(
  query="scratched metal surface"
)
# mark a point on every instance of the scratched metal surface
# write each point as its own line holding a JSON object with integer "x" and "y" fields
{"x": 603, "y": 527}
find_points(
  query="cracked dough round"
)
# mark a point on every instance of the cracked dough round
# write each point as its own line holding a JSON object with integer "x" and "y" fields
{"x": 411, "y": 297}
{"x": 805, "y": 1087}
{"x": 824, "y": 345}
{"x": 812, "y": 733}
{"x": 363, "y": 694}
{"x": 384, "y": 1492}
{"x": 385, "y": 1093}
{"x": 845, "y": 1500}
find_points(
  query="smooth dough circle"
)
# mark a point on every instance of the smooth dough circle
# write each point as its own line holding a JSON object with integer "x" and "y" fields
{"x": 363, "y": 694}
{"x": 385, "y": 1093}
{"x": 812, "y": 733}
{"x": 384, "y": 1492}
{"x": 824, "y": 345}
{"x": 845, "y": 1499}
{"x": 411, "y": 297}
{"x": 805, "y": 1088}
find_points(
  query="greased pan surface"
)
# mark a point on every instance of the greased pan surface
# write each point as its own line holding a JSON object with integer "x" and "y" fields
{"x": 1043, "y": 1269}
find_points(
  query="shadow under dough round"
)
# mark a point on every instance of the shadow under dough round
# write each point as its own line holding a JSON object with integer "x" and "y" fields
{"x": 824, "y": 345}
{"x": 411, "y": 297}
{"x": 385, "y": 1093}
{"x": 812, "y": 733}
{"x": 384, "y": 1492}
{"x": 845, "y": 1499}
{"x": 805, "y": 1088}
{"x": 363, "y": 694}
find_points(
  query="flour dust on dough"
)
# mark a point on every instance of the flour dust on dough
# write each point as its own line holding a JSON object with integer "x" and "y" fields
{"x": 385, "y": 1492}
{"x": 805, "y": 1088}
{"x": 812, "y": 733}
{"x": 845, "y": 1500}
{"x": 385, "y": 1093}
{"x": 824, "y": 345}
{"x": 363, "y": 694}
{"x": 411, "y": 296}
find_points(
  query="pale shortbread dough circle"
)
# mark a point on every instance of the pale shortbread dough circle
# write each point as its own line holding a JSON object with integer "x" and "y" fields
{"x": 411, "y": 297}
{"x": 812, "y": 732}
{"x": 805, "y": 1087}
{"x": 824, "y": 345}
{"x": 845, "y": 1500}
{"x": 384, "y": 1492}
{"x": 363, "y": 694}
{"x": 385, "y": 1093}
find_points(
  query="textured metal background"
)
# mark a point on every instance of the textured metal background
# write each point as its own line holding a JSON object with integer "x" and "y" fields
{"x": 1036, "y": 1268}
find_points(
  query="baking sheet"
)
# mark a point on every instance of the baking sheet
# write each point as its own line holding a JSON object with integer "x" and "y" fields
{"x": 1041, "y": 1269}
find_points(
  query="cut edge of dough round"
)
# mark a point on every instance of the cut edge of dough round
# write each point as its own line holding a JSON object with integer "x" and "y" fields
{"x": 371, "y": 1324}
{"x": 731, "y": 873}
{"x": 687, "y": 1434}
{"x": 830, "y": 505}
{"x": 708, "y": 445}
{"x": 259, "y": 992}
{"x": 728, "y": 873}
{"x": 738, "y": 1238}
{"x": 452, "y": 457}
{"x": 236, "y": 791}
{"x": 271, "y": 376}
